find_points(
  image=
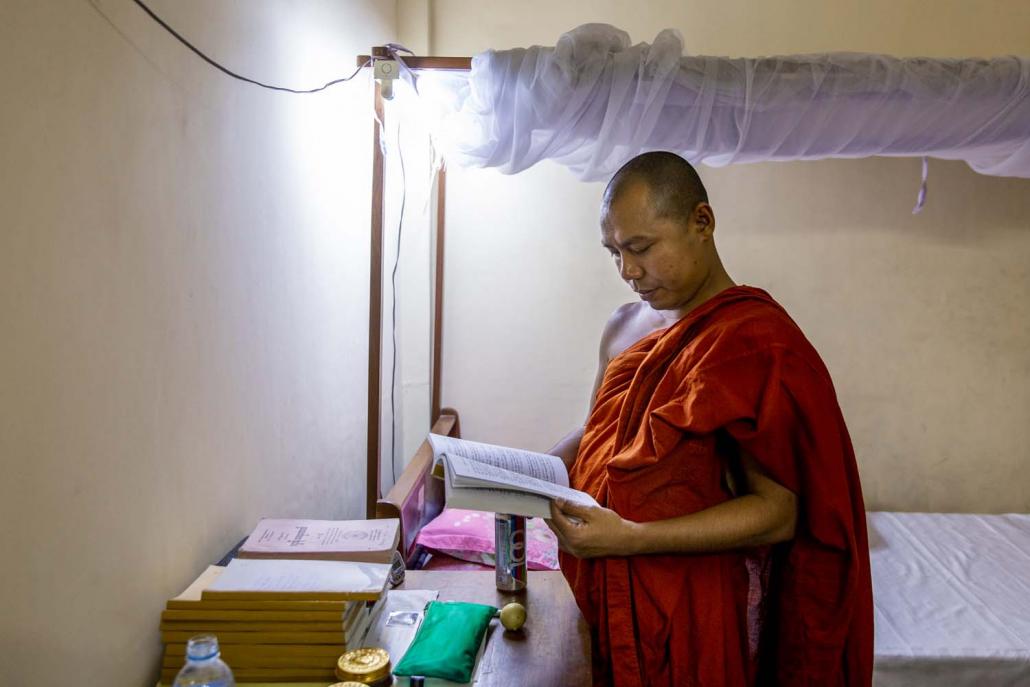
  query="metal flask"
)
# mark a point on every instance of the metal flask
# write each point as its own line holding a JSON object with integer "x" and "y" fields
{"x": 510, "y": 542}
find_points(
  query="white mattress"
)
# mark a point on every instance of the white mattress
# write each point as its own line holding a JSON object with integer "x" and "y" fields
{"x": 952, "y": 599}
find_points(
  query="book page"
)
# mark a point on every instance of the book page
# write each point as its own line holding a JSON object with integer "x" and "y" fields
{"x": 272, "y": 576}
{"x": 323, "y": 536}
{"x": 496, "y": 500}
{"x": 478, "y": 474}
{"x": 541, "y": 466}
{"x": 192, "y": 593}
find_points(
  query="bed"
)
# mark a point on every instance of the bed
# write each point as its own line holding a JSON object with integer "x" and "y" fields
{"x": 952, "y": 599}
{"x": 951, "y": 591}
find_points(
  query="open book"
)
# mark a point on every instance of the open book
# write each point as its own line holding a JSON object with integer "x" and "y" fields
{"x": 501, "y": 479}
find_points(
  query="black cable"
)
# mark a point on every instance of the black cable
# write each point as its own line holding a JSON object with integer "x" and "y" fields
{"x": 393, "y": 316}
{"x": 233, "y": 74}
{"x": 400, "y": 223}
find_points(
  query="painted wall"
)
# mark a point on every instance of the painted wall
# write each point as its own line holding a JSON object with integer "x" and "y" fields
{"x": 923, "y": 320}
{"x": 183, "y": 299}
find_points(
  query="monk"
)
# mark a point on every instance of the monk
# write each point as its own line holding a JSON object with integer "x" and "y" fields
{"x": 730, "y": 546}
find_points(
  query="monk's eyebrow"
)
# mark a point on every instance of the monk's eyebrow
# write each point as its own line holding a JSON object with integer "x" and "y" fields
{"x": 631, "y": 240}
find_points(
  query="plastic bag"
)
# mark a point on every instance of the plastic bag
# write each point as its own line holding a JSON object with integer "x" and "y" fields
{"x": 447, "y": 642}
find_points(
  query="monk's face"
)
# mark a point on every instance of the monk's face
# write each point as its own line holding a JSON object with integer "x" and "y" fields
{"x": 666, "y": 261}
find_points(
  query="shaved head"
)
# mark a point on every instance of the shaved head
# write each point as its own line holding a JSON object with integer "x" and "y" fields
{"x": 674, "y": 187}
{"x": 658, "y": 227}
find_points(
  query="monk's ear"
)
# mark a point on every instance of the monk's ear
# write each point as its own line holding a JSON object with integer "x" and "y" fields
{"x": 703, "y": 219}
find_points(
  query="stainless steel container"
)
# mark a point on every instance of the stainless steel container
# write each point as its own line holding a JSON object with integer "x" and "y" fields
{"x": 510, "y": 542}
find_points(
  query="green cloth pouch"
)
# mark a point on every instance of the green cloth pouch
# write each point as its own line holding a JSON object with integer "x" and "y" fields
{"x": 447, "y": 642}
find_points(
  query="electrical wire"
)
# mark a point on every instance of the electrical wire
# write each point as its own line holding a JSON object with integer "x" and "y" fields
{"x": 233, "y": 74}
{"x": 400, "y": 221}
{"x": 393, "y": 316}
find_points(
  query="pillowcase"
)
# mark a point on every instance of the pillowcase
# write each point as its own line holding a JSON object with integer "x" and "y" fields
{"x": 469, "y": 536}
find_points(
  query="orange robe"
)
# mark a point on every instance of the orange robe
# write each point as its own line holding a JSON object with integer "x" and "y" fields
{"x": 737, "y": 372}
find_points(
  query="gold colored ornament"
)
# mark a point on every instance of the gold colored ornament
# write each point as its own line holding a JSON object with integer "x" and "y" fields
{"x": 366, "y": 666}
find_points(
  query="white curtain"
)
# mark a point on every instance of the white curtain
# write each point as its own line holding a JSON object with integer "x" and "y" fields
{"x": 594, "y": 101}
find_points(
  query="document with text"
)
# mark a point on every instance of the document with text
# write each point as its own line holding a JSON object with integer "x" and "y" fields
{"x": 501, "y": 479}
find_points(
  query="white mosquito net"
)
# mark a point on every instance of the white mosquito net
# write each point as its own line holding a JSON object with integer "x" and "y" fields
{"x": 593, "y": 101}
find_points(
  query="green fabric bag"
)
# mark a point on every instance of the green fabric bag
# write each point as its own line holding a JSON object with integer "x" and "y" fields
{"x": 447, "y": 642}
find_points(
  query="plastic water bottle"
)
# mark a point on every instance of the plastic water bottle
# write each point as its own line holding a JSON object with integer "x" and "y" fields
{"x": 203, "y": 666}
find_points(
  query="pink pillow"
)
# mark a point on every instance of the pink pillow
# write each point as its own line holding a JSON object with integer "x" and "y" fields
{"x": 469, "y": 536}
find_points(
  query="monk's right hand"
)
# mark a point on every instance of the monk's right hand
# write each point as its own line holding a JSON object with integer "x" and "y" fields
{"x": 590, "y": 531}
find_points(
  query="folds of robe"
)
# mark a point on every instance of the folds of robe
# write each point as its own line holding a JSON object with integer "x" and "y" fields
{"x": 735, "y": 374}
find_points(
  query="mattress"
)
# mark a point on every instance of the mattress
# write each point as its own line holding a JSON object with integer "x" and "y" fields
{"x": 952, "y": 599}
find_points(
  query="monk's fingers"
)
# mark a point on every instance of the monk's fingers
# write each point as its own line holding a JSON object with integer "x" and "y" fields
{"x": 565, "y": 545}
{"x": 575, "y": 512}
{"x": 563, "y": 530}
{"x": 554, "y": 526}
{"x": 559, "y": 535}
{"x": 558, "y": 521}
{"x": 562, "y": 544}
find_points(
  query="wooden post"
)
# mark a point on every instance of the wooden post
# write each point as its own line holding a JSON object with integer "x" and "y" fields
{"x": 441, "y": 197}
{"x": 373, "y": 485}
{"x": 375, "y": 312}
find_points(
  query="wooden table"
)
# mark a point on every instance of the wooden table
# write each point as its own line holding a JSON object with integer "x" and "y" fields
{"x": 553, "y": 647}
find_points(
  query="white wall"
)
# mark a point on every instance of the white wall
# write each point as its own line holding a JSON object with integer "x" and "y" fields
{"x": 183, "y": 299}
{"x": 923, "y": 320}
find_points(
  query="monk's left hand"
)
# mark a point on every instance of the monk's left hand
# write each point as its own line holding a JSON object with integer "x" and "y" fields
{"x": 590, "y": 531}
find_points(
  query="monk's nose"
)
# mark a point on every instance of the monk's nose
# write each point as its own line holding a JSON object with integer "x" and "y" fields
{"x": 629, "y": 270}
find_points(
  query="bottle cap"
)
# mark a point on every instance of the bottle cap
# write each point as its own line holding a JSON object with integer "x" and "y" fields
{"x": 201, "y": 647}
{"x": 367, "y": 666}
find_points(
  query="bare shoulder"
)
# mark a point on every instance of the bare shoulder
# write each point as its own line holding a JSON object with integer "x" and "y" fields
{"x": 629, "y": 323}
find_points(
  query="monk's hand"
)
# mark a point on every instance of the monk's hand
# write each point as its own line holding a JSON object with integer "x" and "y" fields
{"x": 590, "y": 531}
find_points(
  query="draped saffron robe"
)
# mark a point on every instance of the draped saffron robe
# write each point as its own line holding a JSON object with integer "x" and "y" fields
{"x": 735, "y": 374}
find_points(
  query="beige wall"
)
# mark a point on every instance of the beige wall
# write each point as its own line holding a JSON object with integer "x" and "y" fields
{"x": 183, "y": 294}
{"x": 923, "y": 320}
{"x": 183, "y": 287}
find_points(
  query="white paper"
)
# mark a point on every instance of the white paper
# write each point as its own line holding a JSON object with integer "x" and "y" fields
{"x": 291, "y": 576}
{"x": 473, "y": 473}
{"x": 538, "y": 465}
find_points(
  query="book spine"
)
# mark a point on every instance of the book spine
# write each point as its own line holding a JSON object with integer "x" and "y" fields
{"x": 270, "y": 661}
{"x": 353, "y": 556}
{"x": 237, "y": 605}
{"x": 178, "y": 649}
{"x": 266, "y": 675}
{"x": 254, "y": 616}
{"x": 217, "y": 627}
{"x": 219, "y": 595}
{"x": 337, "y": 638}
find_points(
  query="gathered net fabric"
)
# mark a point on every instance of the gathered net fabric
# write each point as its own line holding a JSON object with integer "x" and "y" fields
{"x": 593, "y": 101}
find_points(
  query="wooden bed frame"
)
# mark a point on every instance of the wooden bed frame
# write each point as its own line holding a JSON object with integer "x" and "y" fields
{"x": 375, "y": 304}
{"x": 417, "y": 496}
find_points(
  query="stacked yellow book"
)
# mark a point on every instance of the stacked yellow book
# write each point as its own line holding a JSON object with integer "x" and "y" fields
{"x": 276, "y": 620}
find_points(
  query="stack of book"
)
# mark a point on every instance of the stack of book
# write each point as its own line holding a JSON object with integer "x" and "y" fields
{"x": 285, "y": 619}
